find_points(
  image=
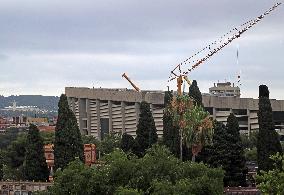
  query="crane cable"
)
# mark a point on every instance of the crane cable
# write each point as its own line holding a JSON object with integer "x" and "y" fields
{"x": 218, "y": 44}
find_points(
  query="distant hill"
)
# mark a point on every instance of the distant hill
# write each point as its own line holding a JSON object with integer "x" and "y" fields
{"x": 43, "y": 102}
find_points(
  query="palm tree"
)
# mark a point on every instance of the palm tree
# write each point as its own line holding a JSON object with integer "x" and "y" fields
{"x": 194, "y": 122}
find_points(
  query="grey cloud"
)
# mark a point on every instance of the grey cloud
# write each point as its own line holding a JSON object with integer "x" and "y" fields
{"x": 3, "y": 57}
{"x": 67, "y": 42}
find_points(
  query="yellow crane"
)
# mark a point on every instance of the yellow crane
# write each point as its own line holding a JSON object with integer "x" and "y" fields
{"x": 207, "y": 52}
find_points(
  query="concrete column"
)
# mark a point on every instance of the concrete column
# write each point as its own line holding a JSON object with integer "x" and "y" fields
{"x": 82, "y": 114}
{"x": 110, "y": 115}
{"x": 137, "y": 111}
{"x": 88, "y": 116}
{"x": 72, "y": 102}
{"x": 123, "y": 117}
{"x": 151, "y": 107}
{"x": 248, "y": 114}
{"x": 214, "y": 113}
{"x": 98, "y": 118}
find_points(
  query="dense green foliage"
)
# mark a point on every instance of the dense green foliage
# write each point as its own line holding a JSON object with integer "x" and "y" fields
{"x": 227, "y": 152}
{"x": 35, "y": 167}
{"x": 171, "y": 134}
{"x": 7, "y": 138}
{"x": 48, "y": 137}
{"x": 195, "y": 93}
{"x": 249, "y": 144}
{"x": 90, "y": 140}
{"x": 68, "y": 143}
{"x": 146, "y": 133}
{"x": 16, "y": 151}
{"x": 272, "y": 182}
{"x": 1, "y": 167}
{"x": 250, "y": 141}
{"x": 127, "y": 142}
{"x": 110, "y": 142}
{"x": 194, "y": 122}
{"x": 268, "y": 140}
{"x": 158, "y": 172}
{"x": 251, "y": 154}
{"x": 236, "y": 170}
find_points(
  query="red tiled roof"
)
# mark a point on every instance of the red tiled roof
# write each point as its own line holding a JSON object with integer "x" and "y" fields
{"x": 47, "y": 128}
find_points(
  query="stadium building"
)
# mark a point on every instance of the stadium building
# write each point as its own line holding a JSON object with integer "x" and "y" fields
{"x": 100, "y": 111}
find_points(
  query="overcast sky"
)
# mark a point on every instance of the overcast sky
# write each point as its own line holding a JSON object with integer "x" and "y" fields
{"x": 46, "y": 45}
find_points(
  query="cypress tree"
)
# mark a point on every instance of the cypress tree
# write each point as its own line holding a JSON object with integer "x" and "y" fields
{"x": 195, "y": 93}
{"x": 127, "y": 142}
{"x": 35, "y": 167}
{"x": 268, "y": 140}
{"x": 1, "y": 167}
{"x": 236, "y": 170}
{"x": 214, "y": 155}
{"x": 227, "y": 152}
{"x": 171, "y": 136}
{"x": 146, "y": 133}
{"x": 68, "y": 143}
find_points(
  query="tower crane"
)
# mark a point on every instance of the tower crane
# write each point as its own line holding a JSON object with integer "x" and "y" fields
{"x": 207, "y": 52}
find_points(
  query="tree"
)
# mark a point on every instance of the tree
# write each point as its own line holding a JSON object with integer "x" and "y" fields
{"x": 68, "y": 142}
{"x": 194, "y": 122}
{"x": 76, "y": 178}
{"x": 251, "y": 154}
{"x": 236, "y": 169}
{"x": 123, "y": 173}
{"x": 7, "y": 138}
{"x": 146, "y": 133}
{"x": 227, "y": 152}
{"x": 195, "y": 93}
{"x": 48, "y": 137}
{"x": 1, "y": 167}
{"x": 171, "y": 134}
{"x": 16, "y": 152}
{"x": 250, "y": 141}
{"x": 272, "y": 182}
{"x": 110, "y": 142}
{"x": 35, "y": 167}
{"x": 14, "y": 157}
{"x": 268, "y": 140}
{"x": 127, "y": 142}
{"x": 155, "y": 173}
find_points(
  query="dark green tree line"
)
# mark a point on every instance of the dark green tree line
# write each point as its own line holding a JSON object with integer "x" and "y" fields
{"x": 158, "y": 172}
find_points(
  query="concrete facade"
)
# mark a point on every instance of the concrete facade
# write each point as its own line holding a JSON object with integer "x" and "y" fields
{"x": 117, "y": 110}
{"x": 245, "y": 110}
{"x": 225, "y": 89}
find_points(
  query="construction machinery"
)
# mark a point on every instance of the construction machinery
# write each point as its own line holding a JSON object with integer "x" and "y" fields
{"x": 207, "y": 52}
{"x": 129, "y": 80}
{"x": 195, "y": 60}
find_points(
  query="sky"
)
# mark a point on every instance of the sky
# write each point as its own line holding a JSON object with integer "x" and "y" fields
{"x": 46, "y": 45}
